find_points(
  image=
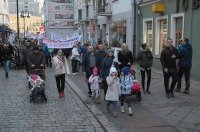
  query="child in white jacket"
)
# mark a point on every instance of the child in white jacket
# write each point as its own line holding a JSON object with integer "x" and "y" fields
{"x": 94, "y": 80}
{"x": 113, "y": 92}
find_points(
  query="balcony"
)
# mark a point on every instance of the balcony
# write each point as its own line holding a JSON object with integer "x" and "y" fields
{"x": 104, "y": 8}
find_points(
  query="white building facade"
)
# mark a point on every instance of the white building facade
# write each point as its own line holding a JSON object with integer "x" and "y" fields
{"x": 25, "y": 5}
{"x": 4, "y": 12}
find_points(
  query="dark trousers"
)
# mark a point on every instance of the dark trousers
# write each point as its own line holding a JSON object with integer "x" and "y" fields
{"x": 105, "y": 85}
{"x": 171, "y": 73}
{"x": 74, "y": 66}
{"x": 88, "y": 76}
{"x": 60, "y": 81}
{"x": 186, "y": 72}
{"x": 28, "y": 68}
{"x": 125, "y": 98}
{"x": 48, "y": 60}
{"x": 148, "y": 71}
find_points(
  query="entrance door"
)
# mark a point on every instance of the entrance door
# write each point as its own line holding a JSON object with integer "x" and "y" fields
{"x": 163, "y": 34}
{"x": 179, "y": 30}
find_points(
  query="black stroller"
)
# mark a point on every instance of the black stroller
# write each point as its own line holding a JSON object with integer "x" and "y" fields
{"x": 37, "y": 86}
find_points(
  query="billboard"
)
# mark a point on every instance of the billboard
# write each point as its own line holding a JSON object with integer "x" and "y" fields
{"x": 60, "y": 14}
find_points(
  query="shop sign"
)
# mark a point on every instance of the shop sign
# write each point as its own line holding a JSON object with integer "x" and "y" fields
{"x": 185, "y": 4}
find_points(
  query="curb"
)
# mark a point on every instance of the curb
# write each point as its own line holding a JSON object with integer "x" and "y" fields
{"x": 101, "y": 118}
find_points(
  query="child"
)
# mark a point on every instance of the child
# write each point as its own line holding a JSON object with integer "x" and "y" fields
{"x": 113, "y": 92}
{"x": 126, "y": 81}
{"x": 94, "y": 80}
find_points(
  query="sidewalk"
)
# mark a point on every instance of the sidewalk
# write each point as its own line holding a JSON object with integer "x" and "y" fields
{"x": 155, "y": 112}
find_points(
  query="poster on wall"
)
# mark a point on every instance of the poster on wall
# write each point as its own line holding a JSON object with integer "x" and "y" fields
{"x": 60, "y": 14}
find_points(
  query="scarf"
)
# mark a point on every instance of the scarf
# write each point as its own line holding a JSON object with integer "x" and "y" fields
{"x": 60, "y": 62}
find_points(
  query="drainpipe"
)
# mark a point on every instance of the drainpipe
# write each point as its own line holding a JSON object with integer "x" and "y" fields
{"x": 134, "y": 27}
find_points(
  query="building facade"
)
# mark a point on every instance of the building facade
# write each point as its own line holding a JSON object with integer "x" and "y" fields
{"x": 4, "y": 20}
{"x": 162, "y": 19}
{"x": 59, "y": 17}
{"x": 25, "y": 5}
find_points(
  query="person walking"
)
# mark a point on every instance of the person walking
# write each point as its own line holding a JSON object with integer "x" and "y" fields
{"x": 101, "y": 54}
{"x": 125, "y": 57}
{"x": 26, "y": 50}
{"x": 113, "y": 92}
{"x": 168, "y": 60}
{"x": 89, "y": 62}
{"x": 60, "y": 67}
{"x": 6, "y": 57}
{"x": 75, "y": 58}
{"x": 185, "y": 64}
{"x": 46, "y": 52}
{"x": 145, "y": 60}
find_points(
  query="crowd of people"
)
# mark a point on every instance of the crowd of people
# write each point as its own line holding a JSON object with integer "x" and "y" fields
{"x": 99, "y": 67}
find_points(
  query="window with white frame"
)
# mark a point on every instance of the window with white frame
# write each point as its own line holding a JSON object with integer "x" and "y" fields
{"x": 177, "y": 27}
{"x": 161, "y": 34}
{"x": 148, "y": 32}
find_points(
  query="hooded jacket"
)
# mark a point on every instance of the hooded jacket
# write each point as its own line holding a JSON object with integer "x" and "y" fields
{"x": 94, "y": 81}
{"x": 185, "y": 53}
{"x": 126, "y": 83}
{"x": 145, "y": 58}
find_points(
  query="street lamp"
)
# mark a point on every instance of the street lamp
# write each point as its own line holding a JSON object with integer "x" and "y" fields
{"x": 23, "y": 15}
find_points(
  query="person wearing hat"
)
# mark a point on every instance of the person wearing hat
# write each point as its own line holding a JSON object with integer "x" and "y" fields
{"x": 145, "y": 60}
{"x": 105, "y": 68}
{"x": 36, "y": 60}
{"x": 126, "y": 82}
{"x": 94, "y": 80}
{"x": 113, "y": 92}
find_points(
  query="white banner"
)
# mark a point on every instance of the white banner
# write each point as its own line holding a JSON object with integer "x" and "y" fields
{"x": 56, "y": 36}
{"x": 60, "y": 44}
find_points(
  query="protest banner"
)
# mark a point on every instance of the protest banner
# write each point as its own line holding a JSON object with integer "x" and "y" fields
{"x": 56, "y": 36}
{"x": 60, "y": 44}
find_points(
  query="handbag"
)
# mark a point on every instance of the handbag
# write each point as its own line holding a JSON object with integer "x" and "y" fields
{"x": 57, "y": 72}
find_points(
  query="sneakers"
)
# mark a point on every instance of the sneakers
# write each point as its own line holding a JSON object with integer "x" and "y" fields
{"x": 168, "y": 96}
{"x": 130, "y": 111}
{"x": 144, "y": 92}
{"x": 60, "y": 95}
{"x": 186, "y": 92}
{"x": 172, "y": 95}
{"x": 115, "y": 114}
{"x": 147, "y": 91}
{"x": 177, "y": 90}
{"x": 76, "y": 73}
{"x": 97, "y": 100}
{"x": 122, "y": 109}
{"x": 73, "y": 74}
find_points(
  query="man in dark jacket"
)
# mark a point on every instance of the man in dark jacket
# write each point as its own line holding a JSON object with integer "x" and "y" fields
{"x": 168, "y": 60}
{"x": 36, "y": 59}
{"x": 185, "y": 64}
{"x": 100, "y": 55}
{"x": 89, "y": 62}
{"x": 26, "y": 50}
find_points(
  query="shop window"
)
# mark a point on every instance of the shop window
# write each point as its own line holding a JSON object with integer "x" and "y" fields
{"x": 117, "y": 33}
{"x": 179, "y": 30}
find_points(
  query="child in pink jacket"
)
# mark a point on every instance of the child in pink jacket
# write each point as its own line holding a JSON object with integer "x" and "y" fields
{"x": 94, "y": 80}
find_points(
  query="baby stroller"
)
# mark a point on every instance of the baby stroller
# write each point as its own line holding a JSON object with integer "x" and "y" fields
{"x": 135, "y": 90}
{"x": 37, "y": 86}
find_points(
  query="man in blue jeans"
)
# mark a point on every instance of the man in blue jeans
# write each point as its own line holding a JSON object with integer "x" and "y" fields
{"x": 185, "y": 64}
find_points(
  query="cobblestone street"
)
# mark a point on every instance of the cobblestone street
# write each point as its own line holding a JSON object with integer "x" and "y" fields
{"x": 67, "y": 114}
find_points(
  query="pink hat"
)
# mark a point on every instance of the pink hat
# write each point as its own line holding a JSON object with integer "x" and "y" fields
{"x": 95, "y": 70}
{"x": 34, "y": 77}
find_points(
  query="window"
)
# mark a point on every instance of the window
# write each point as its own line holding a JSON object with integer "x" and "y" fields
{"x": 87, "y": 10}
{"x": 79, "y": 14}
{"x": 177, "y": 27}
{"x": 118, "y": 33}
{"x": 161, "y": 33}
{"x": 148, "y": 31}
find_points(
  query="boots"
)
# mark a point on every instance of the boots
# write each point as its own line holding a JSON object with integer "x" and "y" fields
{"x": 6, "y": 74}
{"x": 97, "y": 100}
{"x": 122, "y": 109}
{"x": 130, "y": 111}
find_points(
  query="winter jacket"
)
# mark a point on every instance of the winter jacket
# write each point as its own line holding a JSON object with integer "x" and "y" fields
{"x": 125, "y": 58}
{"x": 56, "y": 66}
{"x": 106, "y": 65}
{"x": 145, "y": 58}
{"x": 166, "y": 58}
{"x": 26, "y": 50}
{"x": 6, "y": 53}
{"x": 45, "y": 49}
{"x": 113, "y": 91}
{"x": 185, "y": 58}
{"x": 94, "y": 81}
{"x": 100, "y": 56}
{"x": 75, "y": 54}
{"x": 36, "y": 59}
{"x": 86, "y": 64}
{"x": 126, "y": 83}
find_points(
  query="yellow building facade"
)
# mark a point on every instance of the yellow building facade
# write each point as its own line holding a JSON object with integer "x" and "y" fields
{"x": 32, "y": 24}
